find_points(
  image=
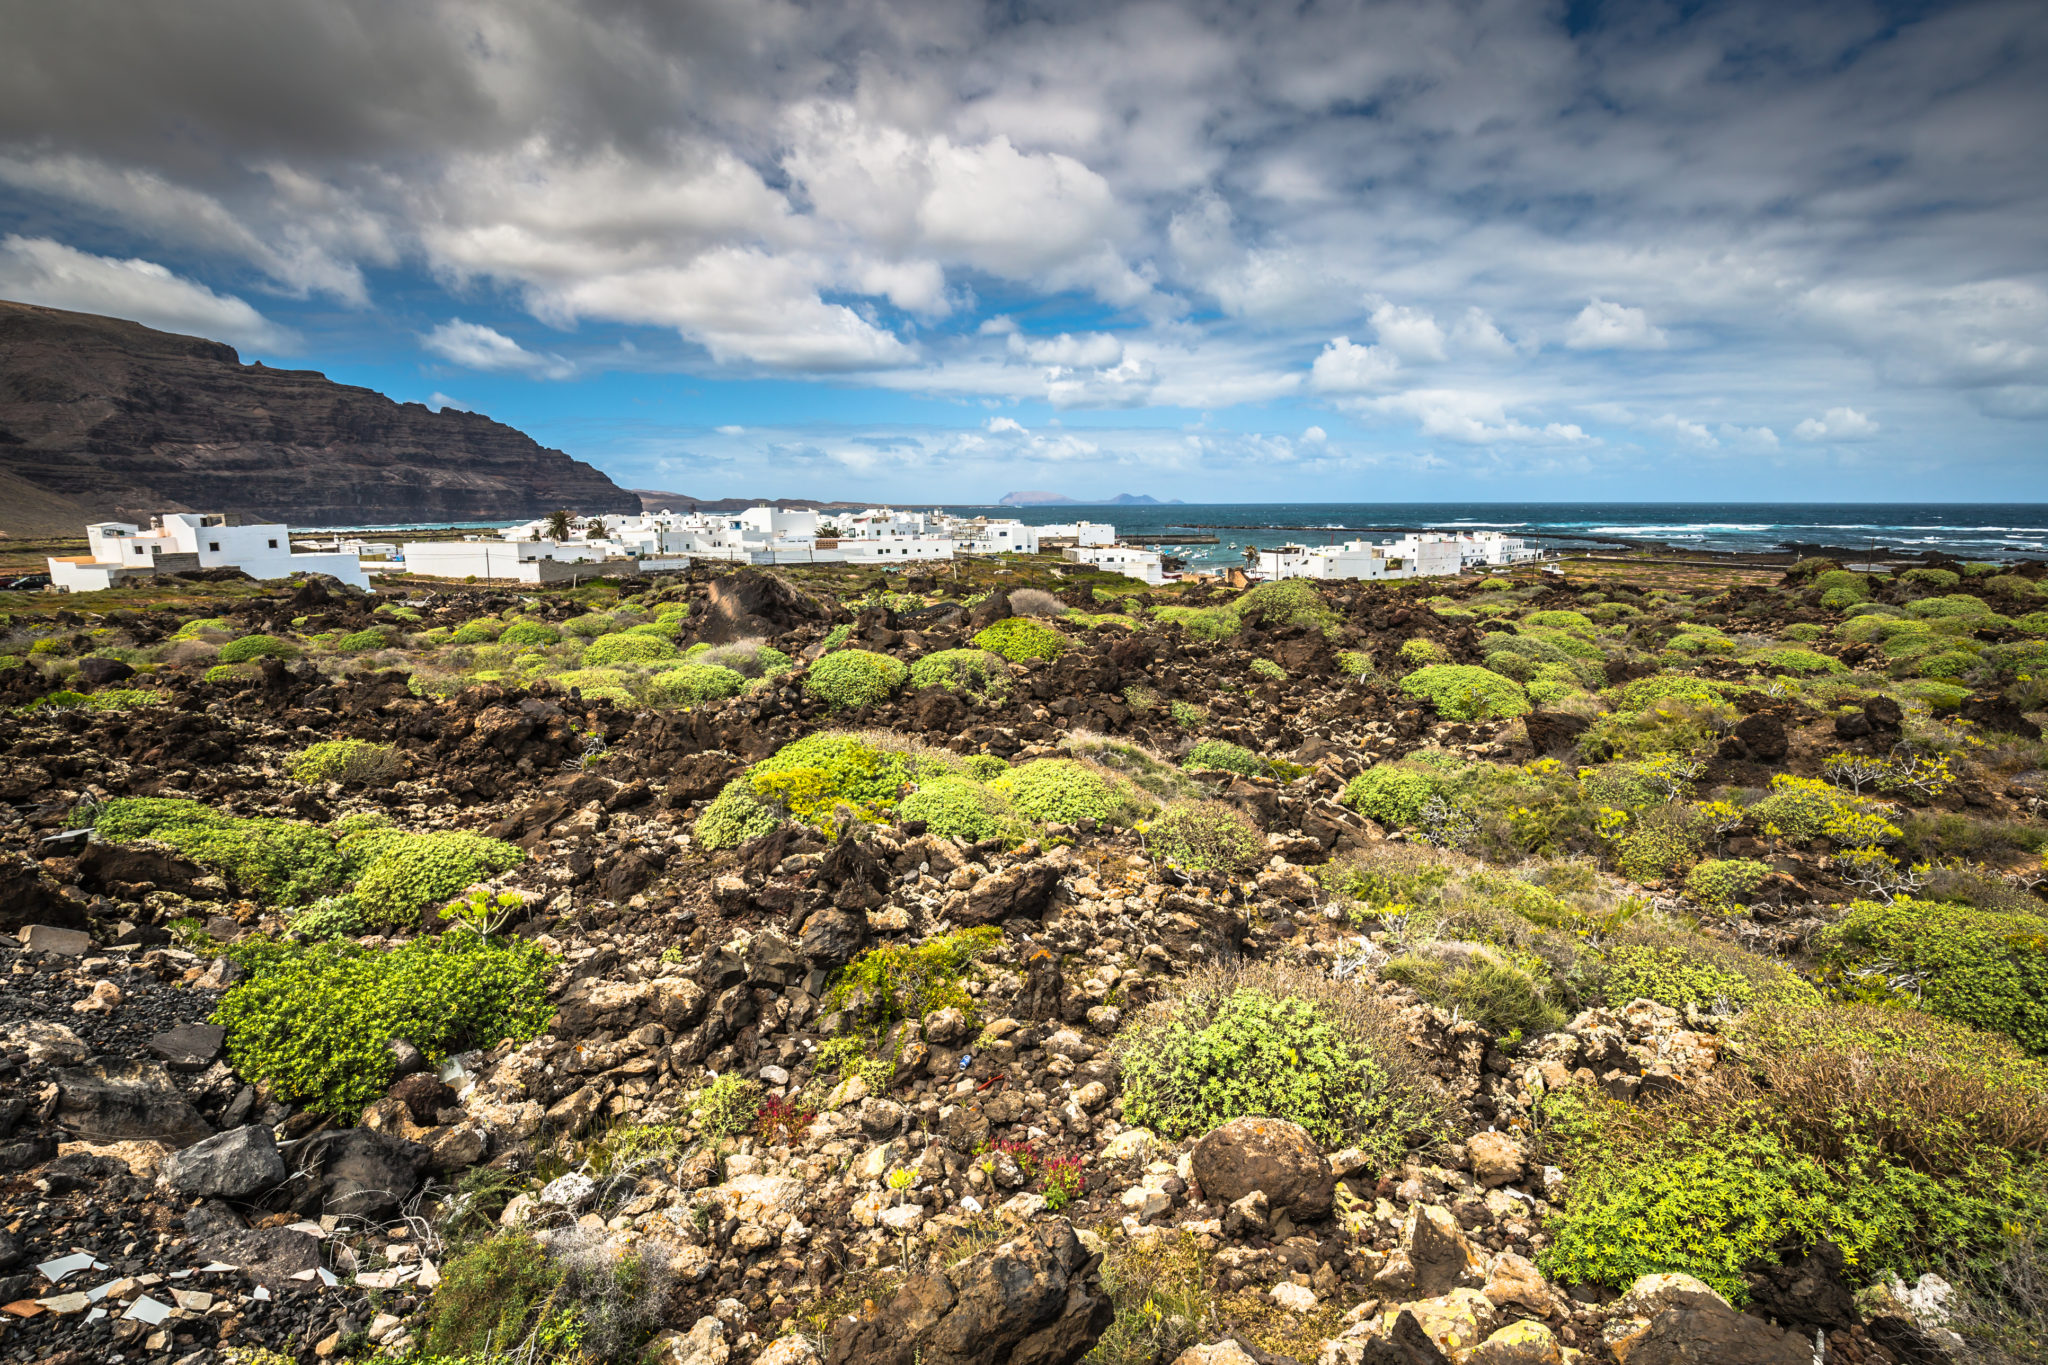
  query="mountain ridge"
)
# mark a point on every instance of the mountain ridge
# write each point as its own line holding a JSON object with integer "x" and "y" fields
{"x": 110, "y": 420}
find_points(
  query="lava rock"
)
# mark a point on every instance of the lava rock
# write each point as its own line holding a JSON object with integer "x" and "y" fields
{"x": 1272, "y": 1155}
{"x": 112, "y": 1099}
{"x": 189, "y": 1047}
{"x": 1025, "y": 889}
{"x": 360, "y": 1173}
{"x": 1552, "y": 730}
{"x": 1763, "y": 737}
{"x": 1712, "y": 1334}
{"x": 231, "y": 1165}
{"x": 96, "y": 671}
{"x": 424, "y": 1096}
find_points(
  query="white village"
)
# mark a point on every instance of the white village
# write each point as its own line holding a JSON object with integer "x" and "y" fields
{"x": 566, "y": 548}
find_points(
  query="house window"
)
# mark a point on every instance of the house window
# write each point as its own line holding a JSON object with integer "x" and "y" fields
{"x": 213, "y": 546}
{"x": 273, "y": 545}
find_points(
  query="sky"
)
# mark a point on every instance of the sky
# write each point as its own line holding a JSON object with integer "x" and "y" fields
{"x": 929, "y": 251}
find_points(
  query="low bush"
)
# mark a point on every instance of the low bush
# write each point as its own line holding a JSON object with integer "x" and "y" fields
{"x": 1061, "y": 791}
{"x": 1288, "y": 602}
{"x": 1572, "y": 621}
{"x": 315, "y": 1023}
{"x": 1788, "y": 659}
{"x": 751, "y": 658}
{"x": 1018, "y": 638}
{"x": 1481, "y": 985}
{"x": 1696, "y": 974}
{"x": 1422, "y": 651}
{"x": 1265, "y": 670}
{"x": 974, "y": 671}
{"x": 736, "y": 816}
{"x": 1955, "y": 605}
{"x": 252, "y": 647}
{"x": 482, "y": 631}
{"x": 590, "y": 625}
{"x": 693, "y": 685}
{"x": 1037, "y": 602}
{"x": 1208, "y": 836}
{"x": 1725, "y": 881}
{"x": 727, "y": 1106}
{"x": 352, "y": 762}
{"x": 848, "y": 678}
{"x": 612, "y": 650}
{"x": 287, "y": 861}
{"x": 1644, "y": 692}
{"x": 1983, "y": 967}
{"x": 413, "y": 872}
{"x": 359, "y": 641}
{"x": 815, "y": 777}
{"x": 1391, "y": 793}
{"x": 490, "y": 1298}
{"x": 1463, "y": 692}
{"x": 1934, "y": 580}
{"x": 909, "y": 981}
{"x": 1224, "y": 756}
{"x": 956, "y": 806}
{"x": 529, "y": 634}
{"x": 1280, "y": 1042}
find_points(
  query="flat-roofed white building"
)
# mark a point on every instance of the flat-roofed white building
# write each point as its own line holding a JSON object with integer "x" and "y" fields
{"x": 1147, "y": 566}
{"x": 178, "y": 541}
{"x": 1081, "y": 533}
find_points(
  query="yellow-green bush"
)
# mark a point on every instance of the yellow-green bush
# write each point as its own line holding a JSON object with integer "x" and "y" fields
{"x": 1018, "y": 638}
{"x": 349, "y": 761}
{"x": 848, "y": 678}
{"x": 1463, "y": 692}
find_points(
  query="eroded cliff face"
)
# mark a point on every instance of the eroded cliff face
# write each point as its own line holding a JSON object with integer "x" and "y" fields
{"x": 123, "y": 421}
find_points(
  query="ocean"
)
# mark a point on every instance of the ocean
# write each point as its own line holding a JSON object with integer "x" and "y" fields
{"x": 1980, "y": 531}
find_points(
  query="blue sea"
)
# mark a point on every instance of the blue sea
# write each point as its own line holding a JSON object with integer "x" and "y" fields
{"x": 1980, "y": 531}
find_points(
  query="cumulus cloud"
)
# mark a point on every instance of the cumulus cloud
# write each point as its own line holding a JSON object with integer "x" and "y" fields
{"x": 1314, "y": 436}
{"x": 439, "y": 401}
{"x": 1473, "y": 418}
{"x": 1410, "y": 333}
{"x": 1097, "y": 349}
{"x": 1838, "y": 424}
{"x": 477, "y": 347}
{"x": 1344, "y": 367}
{"x": 38, "y": 270}
{"x": 1605, "y": 326}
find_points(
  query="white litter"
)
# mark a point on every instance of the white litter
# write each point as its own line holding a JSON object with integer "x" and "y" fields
{"x": 217, "y": 1268}
{"x": 95, "y": 1315}
{"x": 262, "y": 1294}
{"x": 312, "y": 1229}
{"x": 55, "y": 1271}
{"x": 327, "y": 1278}
{"x": 430, "y": 1275}
{"x": 146, "y": 1309}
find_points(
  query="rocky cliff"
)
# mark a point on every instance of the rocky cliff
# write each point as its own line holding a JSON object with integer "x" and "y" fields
{"x": 109, "y": 419}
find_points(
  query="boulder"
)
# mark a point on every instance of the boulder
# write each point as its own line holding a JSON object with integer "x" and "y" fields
{"x": 24, "y": 899}
{"x": 1497, "y": 1159}
{"x": 1023, "y": 889}
{"x": 1763, "y": 737}
{"x": 1034, "y": 1300}
{"x": 110, "y": 1099}
{"x": 1271, "y": 1155}
{"x": 703, "y": 1344}
{"x": 1549, "y": 731}
{"x": 101, "y": 867}
{"x": 359, "y": 1173}
{"x": 95, "y": 671}
{"x": 1991, "y": 711}
{"x": 1404, "y": 1343}
{"x": 189, "y": 1047}
{"x": 424, "y": 1096}
{"x": 44, "y": 938}
{"x": 269, "y": 1256}
{"x": 231, "y": 1165}
{"x": 1222, "y": 1353}
{"x": 1434, "y": 1257}
{"x": 1711, "y": 1335}
{"x": 1518, "y": 1343}
{"x": 1808, "y": 1291}
{"x": 1455, "y": 1321}
{"x": 751, "y": 602}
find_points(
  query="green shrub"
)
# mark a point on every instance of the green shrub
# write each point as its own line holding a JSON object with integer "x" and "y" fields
{"x": 415, "y": 871}
{"x": 1018, "y": 638}
{"x": 1681, "y": 975}
{"x": 736, "y": 816}
{"x": 348, "y": 761}
{"x": 748, "y": 658}
{"x": 481, "y": 631}
{"x": 287, "y": 861}
{"x": 1700, "y": 642}
{"x": 693, "y": 685}
{"x": 1204, "y": 623}
{"x": 1802, "y": 632}
{"x": 612, "y": 650}
{"x": 193, "y": 629}
{"x": 331, "y": 917}
{"x": 1354, "y": 663}
{"x": 962, "y": 670}
{"x": 527, "y": 634}
{"x": 1288, "y": 602}
{"x": 1787, "y": 659}
{"x": 316, "y": 1023}
{"x": 854, "y": 677}
{"x": 909, "y": 981}
{"x": 1841, "y": 599}
{"x": 1463, "y": 692}
{"x": 815, "y": 775}
{"x": 252, "y": 647}
{"x": 1060, "y": 791}
{"x": 985, "y": 767}
{"x": 1495, "y": 584}
{"x": 1937, "y": 580}
{"x": 1390, "y": 793}
{"x": 232, "y": 673}
{"x": 955, "y": 806}
{"x": 358, "y": 641}
{"x": 1422, "y": 650}
{"x": 1220, "y": 754}
{"x": 589, "y": 626}
{"x": 1983, "y": 967}
{"x": 1948, "y": 663}
{"x": 1956, "y": 605}
{"x": 1274, "y": 1043}
{"x": 1267, "y": 671}
{"x": 1572, "y": 621}
{"x": 1207, "y": 836}
{"x": 728, "y": 1105}
{"x": 1499, "y": 995}
{"x": 489, "y": 1298}
{"x": 1644, "y": 692}
{"x": 1725, "y": 881}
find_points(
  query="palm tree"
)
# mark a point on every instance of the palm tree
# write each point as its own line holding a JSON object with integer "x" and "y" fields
{"x": 558, "y": 524}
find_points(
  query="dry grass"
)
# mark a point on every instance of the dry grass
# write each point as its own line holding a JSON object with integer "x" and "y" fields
{"x": 1037, "y": 602}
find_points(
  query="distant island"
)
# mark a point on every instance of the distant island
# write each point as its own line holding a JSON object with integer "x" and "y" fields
{"x": 1036, "y": 498}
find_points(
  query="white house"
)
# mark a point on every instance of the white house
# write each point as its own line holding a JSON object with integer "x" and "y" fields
{"x": 992, "y": 536}
{"x": 1428, "y": 555}
{"x": 887, "y": 549}
{"x": 1082, "y": 533}
{"x": 523, "y": 561}
{"x": 178, "y": 541}
{"x": 1146, "y": 566}
{"x": 1491, "y": 547}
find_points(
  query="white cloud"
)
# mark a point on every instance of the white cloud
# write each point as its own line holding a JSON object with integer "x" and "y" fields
{"x": 1478, "y": 334}
{"x": 1755, "y": 439}
{"x": 1410, "y": 333}
{"x": 477, "y": 347}
{"x": 1347, "y": 368}
{"x": 1688, "y": 434}
{"x": 1471, "y": 418}
{"x": 1314, "y": 436}
{"x": 1097, "y": 349}
{"x": 38, "y": 270}
{"x": 730, "y": 430}
{"x": 1002, "y": 425}
{"x": 1604, "y": 326}
{"x": 1127, "y": 384}
{"x": 438, "y": 401}
{"x": 1838, "y": 424}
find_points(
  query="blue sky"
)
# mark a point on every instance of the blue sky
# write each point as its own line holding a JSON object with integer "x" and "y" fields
{"x": 941, "y": 251}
